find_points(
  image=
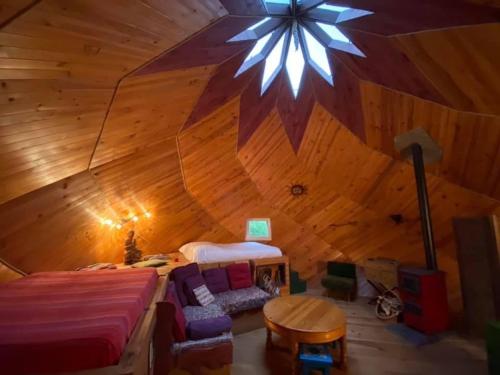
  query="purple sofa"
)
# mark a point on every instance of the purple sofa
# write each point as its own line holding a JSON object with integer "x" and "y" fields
{"x": 210, "y": 326}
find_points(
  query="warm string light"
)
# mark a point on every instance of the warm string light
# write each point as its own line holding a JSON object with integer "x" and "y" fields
{"x": 120, "y": 223}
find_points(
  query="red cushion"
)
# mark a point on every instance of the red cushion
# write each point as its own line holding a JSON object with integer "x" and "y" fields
{"x": 239, "y": 275}
{"x": 179, "y": 326}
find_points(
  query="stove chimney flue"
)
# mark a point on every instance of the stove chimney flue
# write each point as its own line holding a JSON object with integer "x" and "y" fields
{"x": 421, "y": 149}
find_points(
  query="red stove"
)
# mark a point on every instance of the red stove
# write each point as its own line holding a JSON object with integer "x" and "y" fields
{"x": 425, "y": 299}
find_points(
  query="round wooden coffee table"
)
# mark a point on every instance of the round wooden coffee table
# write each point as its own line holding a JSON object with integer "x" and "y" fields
{"x": 305, "y": 320}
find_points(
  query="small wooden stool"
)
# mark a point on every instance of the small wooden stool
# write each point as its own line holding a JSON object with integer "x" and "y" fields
{"x": 315, "y": 357}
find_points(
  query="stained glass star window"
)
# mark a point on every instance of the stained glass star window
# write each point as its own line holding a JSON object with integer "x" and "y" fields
{"x": 297, "y": 32}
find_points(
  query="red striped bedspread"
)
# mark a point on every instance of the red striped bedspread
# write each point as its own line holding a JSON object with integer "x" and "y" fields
{"x": 67, "y": 321}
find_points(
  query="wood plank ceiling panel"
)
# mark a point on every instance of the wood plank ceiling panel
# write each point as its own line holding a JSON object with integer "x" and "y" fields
{"x": 295, "y": 111}
{"x": 491, "y": 3}
{"x": 387, "y": 64}
{"x": 245, "y": 7}
{"x": 218, "y": 181}
{"x": 344, "y": 100}
{"x": 209, "y": 47}
{"x": 392, "y": 17}
{"x": 462, "y": 63}
{"x": 9, "y": 9}
{"x": 59, "y": 64}
{"x": 470, "y": 142}
{"x": 148, "y": 109}
{"x": 222, "y": 87}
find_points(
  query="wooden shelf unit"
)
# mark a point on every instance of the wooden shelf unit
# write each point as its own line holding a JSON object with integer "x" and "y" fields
{"x": 277, "y": 264}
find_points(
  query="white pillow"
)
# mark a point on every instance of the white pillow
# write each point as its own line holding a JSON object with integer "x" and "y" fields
{"x": 203, "y": 295}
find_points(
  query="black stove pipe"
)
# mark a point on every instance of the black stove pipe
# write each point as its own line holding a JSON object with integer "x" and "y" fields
{"x": 423, "y": 203}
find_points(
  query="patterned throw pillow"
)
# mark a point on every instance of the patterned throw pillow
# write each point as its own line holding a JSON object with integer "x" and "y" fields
{"x": 203, "y": 295}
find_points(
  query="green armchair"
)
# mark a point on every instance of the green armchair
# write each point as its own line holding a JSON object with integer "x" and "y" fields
{"x": 341, "y": 277}
{"x": 297, "y": 285}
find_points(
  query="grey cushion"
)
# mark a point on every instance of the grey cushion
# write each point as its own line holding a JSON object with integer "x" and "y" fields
{"x": 212, "y": 310}
{"x": 238, "y": 300}
{"x": 179, "y": 347}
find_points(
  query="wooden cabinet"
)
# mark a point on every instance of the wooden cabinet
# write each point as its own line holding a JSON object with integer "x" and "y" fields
{"x": 279, "y": 269}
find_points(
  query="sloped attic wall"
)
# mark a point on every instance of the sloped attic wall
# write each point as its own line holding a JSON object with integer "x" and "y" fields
{"x": 201, "y": 183}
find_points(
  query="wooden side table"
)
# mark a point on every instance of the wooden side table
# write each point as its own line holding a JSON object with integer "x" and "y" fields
{"x": 305, "y": 320}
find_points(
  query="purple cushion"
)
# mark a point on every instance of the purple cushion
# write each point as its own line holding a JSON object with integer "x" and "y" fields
{"x": 207, "y": 328}
{"x": 191, "y": 283}
{"x": 179, "y": 275}
{"x": 216, "y": 280}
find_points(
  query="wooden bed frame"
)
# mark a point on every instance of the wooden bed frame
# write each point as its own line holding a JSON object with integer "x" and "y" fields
{"x": 146, "y": 352}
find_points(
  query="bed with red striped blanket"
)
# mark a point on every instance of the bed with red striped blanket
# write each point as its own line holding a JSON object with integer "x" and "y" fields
{"x": 67, "y": 321}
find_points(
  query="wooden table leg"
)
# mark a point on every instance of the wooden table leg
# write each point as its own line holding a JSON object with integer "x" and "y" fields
{"x": 269, "y": 339}
{"x": 295, "y": 357}
{"x": 343, "y": 352}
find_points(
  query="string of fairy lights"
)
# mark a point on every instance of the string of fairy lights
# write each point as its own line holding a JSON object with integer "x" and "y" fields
{"x": 119, "y": 224}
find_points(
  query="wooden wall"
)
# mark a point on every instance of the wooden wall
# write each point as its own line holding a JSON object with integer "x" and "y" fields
{"x": 60, "y": 64}
{"x": 347, "y": 205}
{"x": 59, "y": 226}
{"x": 219, "y": 182}
{"x": 7, "y": 274}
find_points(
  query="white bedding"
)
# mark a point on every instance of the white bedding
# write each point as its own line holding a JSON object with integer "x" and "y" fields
{"x": 209, "y": 252}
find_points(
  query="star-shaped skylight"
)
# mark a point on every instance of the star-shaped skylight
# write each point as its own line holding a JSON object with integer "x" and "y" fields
{"x": 296, "y": 32}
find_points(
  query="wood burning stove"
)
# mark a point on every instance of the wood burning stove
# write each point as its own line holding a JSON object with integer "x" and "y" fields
{"x": 423, "y": 290}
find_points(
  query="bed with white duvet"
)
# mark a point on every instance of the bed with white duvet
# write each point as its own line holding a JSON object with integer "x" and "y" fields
{"x": 209, "y": 252}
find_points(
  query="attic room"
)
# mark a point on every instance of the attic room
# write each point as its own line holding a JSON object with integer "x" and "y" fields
{"x": 216, "y": 187}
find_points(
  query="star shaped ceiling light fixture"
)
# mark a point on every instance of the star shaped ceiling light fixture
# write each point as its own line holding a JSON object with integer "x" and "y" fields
{"x": 297, "y": 32}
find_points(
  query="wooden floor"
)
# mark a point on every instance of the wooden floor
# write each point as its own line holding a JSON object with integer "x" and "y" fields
{"x": 372, "y": 350}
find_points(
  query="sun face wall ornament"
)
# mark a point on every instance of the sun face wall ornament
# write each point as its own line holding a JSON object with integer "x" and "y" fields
{"x": 297, "y": 32}
{"x": 298, "y": 190}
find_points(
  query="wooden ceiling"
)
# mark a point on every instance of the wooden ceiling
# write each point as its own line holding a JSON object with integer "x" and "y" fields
{"x": 110, "y": 108}
{"x": 60, "y": 65}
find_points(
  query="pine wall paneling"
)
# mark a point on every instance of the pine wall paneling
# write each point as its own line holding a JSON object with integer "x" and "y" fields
{"x": 470, "y": 142}
{"x": 151, "y": 180}
{"x": 216, "y": 178}
{"x": 387, "y": 187}
{"x": 59, "y": 64}
{"x": 148, "y": 109}
{"x": 59, "y": 226}
{"x": 6, "y": 274}
{"x": 462, "y": 63}
{"x": 9, "y": 9}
